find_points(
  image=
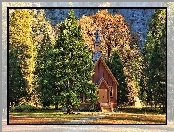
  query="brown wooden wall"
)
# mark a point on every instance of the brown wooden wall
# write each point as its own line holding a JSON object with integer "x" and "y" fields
{"x": 100, "y": 71}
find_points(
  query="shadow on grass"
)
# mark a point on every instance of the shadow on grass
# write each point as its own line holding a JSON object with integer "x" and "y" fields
{"x": 149, "y": 110}
{"x": 130, "y": 119}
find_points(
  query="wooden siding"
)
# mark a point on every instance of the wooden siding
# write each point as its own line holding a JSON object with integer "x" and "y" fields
{"x": 100, "y": 71}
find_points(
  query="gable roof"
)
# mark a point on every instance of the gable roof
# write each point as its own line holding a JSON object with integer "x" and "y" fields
{"x": 107, "y": 69}
{"x": 103, "y": 80}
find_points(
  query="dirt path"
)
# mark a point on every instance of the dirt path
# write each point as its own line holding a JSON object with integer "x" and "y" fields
{"x": 84, "y": 120}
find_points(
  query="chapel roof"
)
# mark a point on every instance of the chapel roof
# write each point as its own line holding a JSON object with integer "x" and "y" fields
{"x": 107, "y": 69}
{"x": 103, "y": 81}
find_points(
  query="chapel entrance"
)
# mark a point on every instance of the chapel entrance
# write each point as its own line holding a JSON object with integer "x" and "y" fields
{"x": 103, "y": 98}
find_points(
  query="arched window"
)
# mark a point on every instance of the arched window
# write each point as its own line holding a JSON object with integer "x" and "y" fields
{"x": 111, "y": 91}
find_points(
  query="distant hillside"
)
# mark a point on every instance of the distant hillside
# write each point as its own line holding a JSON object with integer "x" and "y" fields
{"x": 137, "y": 18}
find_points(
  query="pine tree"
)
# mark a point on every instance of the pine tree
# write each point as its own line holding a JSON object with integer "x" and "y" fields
{"x": 154, "y": 72}
{"x": 114, "y": 37}
{"x": 43, "y": 40}
{"x": 116, "y": 68}
{"x": 43, "y": 74}
{"x": 17, "y": 83}
{"x": 157, "y": 66}
{"x": 71, "y": 66}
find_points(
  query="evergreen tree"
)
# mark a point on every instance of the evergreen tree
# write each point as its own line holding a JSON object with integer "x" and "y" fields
{"x": 145, "y": 94}
{"x": 154, "y": 72}
{"x": 43, "y": 40}
{"x": 17, "y": 83}
{"x": 157, "y": 66}
{"x": 43, "y": 74}
{"x": 71, "y": 66}
{"x": 116, "y": 68}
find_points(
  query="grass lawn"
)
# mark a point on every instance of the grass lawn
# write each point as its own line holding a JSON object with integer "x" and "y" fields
{"x": 130, "y": 118}
{"x": 126, "y": 116}
{"x": 45, "y": 117}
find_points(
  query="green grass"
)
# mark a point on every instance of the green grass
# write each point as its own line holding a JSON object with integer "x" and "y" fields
{"x": 55, "y": 117}
{"x": 50, "y": 114}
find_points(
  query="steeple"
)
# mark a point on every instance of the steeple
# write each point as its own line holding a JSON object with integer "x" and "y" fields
{"x": 97, "y": 42}
{"x": 97, "y": 49}
{"x": 97, "y": 37}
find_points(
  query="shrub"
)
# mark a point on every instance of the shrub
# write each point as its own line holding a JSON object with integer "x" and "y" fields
{"x": 23, "y": 107}
{"x": 152, "y": 110}
{"x": 89, "y": 109}
{"x": 85, "y": 109}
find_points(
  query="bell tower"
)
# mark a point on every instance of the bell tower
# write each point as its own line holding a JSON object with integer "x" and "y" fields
{"x": 97, "y": 48}
{"x": 97, "y": 43}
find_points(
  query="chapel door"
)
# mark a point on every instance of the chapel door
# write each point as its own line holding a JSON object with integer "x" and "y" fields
{"x": 103, "y": 96}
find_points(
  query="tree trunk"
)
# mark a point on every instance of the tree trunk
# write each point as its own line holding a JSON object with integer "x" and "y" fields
{"x": 56, "y": 106}
{"x": 70, "y": 111}
{"x": 69, "y": 108}
{"x": 151, "y": 104}
{"x": 155, "y": 105}
{"x": 109, "y": 48}
{"x": 36, "y": 104}
{"x": 164, "y": 107}
{"x": 16, "y": 103}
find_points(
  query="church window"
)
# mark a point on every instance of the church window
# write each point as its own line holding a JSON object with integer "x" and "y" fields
{"x": 111, "y": 91}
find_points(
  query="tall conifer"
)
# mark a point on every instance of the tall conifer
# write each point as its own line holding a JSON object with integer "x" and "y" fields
{"x": 154, "y": 68}
{"x": 116, "y": 68}
{"x": 71, "y": 65}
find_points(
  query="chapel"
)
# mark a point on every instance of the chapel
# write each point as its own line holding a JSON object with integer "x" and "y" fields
{"x": 105, "y": 80}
